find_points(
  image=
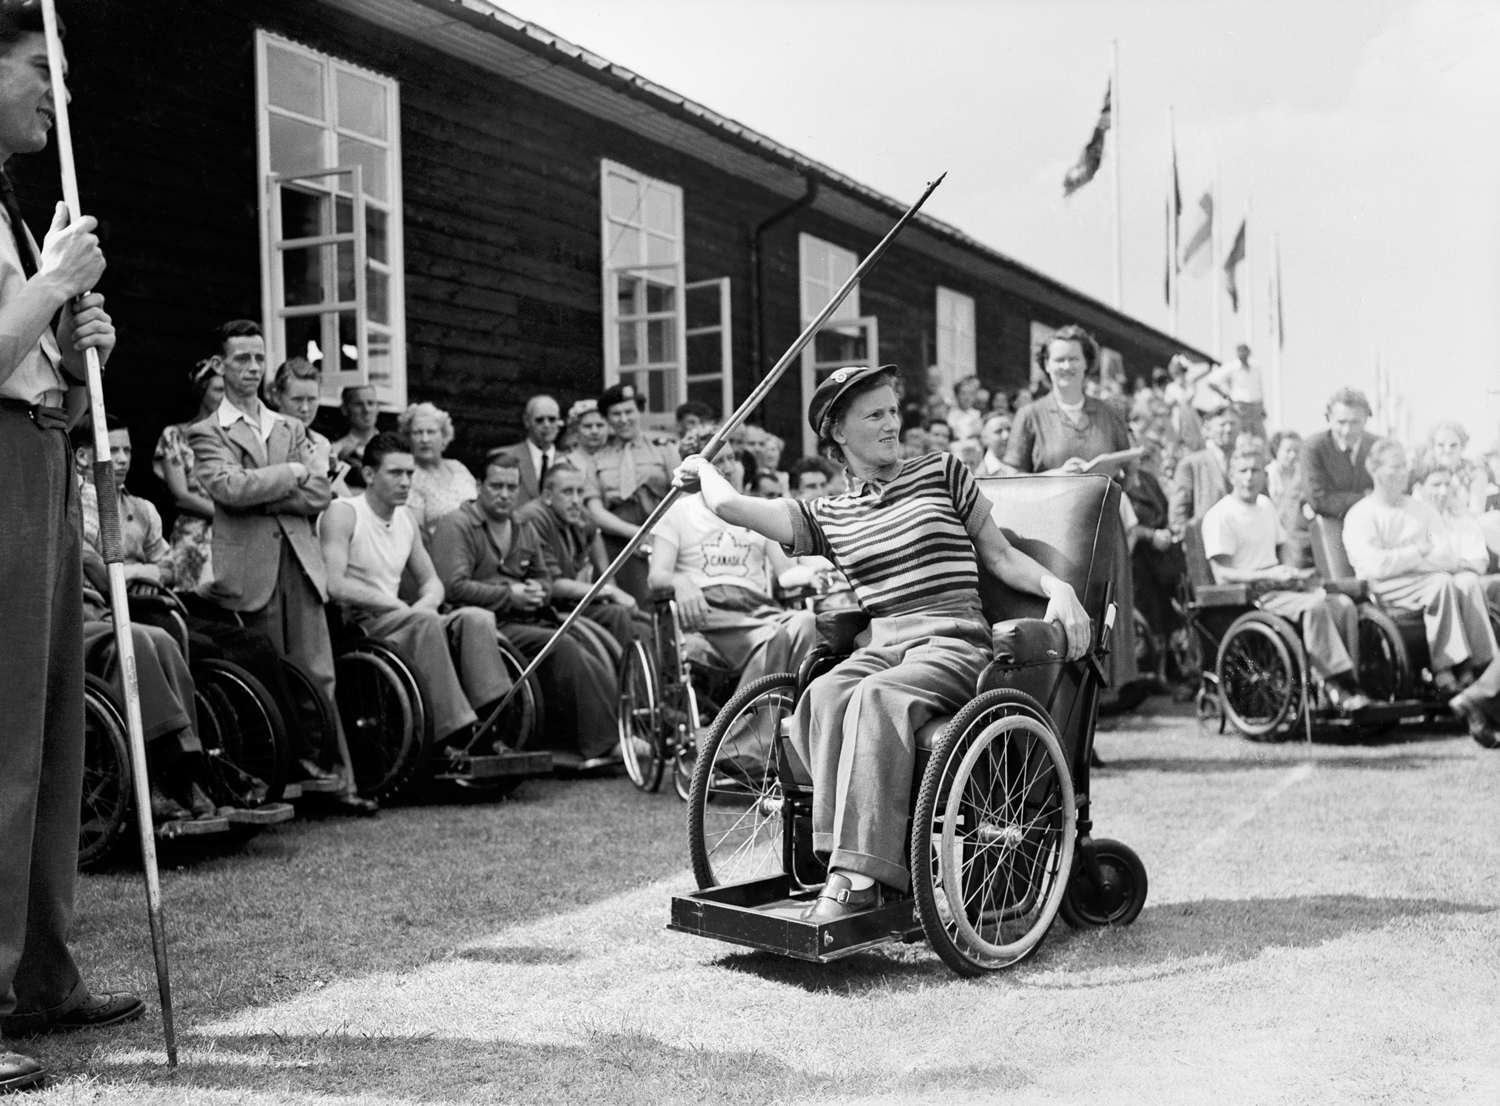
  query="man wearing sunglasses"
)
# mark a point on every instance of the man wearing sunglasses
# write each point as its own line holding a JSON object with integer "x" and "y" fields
{"x": 537, "y": 452}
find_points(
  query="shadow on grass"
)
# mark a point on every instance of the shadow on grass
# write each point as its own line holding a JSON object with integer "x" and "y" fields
{"x": 1178, "y": 938}
{"x": 892, "y": 968}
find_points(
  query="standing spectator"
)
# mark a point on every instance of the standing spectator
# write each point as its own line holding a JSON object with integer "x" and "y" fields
{"x": 441, "y": 485}
{"x": 1156, "y": 560}
{"x": 587, "y": 431}
{"x": 192, "y": 533}
{"x": 537, "y": 452}
{"x": 1334, "y": 461}
{"x": 1202, "y": 477}
{"x": 1287, "y": 488}
{"x": 690, "y": 415}
{"x": 936, "y": 387}
{"x": 995, "y": 437}
{"x": 767, "y": 486}
{"x": 939, "y": 435}
{"x": 360, "y": 408}
{"x": 1179, "y": 396}
{"x": 1241, "y": 381}
{"x": 810, "y": 478}
{"x": 264, "y": 478}
{"x": 294, "y": 392}
{"x": 966, "y": 416}
{"x": 625, "y": 480}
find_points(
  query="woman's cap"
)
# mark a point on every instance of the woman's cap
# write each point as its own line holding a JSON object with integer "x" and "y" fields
{"x": 619, "y": 393}
{"x": 838, "y": 382}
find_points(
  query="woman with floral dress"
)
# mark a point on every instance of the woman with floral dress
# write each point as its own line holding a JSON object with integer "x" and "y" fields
{"x": 192, "y": 534}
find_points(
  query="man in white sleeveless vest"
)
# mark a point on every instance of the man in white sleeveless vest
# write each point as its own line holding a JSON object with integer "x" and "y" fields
{"x": 367, "y": 542}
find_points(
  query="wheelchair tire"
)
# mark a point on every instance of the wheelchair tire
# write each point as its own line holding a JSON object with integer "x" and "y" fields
{"x": 1085, "y": 906}
{"x": 309, "y": 712}
{"x": 735, "y": 803}
{"x": 107, "y": 798}
{"x": 386, "y": 721}
{"x": 1385, "y": 673}
{"x": 523, "y": 727}
{"x": 639, "y": 722}
{"x": 993, "y": 833}
{"x": 1260, "y": 685}
{"x": 247, "y": 742}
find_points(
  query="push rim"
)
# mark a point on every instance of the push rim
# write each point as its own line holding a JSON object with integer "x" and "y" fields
{"x": 1257, "y": 682}
{"x": 105, "y": 800}
{"x": 640, "y": 741}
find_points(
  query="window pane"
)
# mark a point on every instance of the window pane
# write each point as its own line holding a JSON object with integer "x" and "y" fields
{"x": 304, "y": 338}
{"x": 345, "y": 213}
{"x": 376, "y": 247}
{"x": 705, "y": 354}
{"x": 624, "y": 199}
{"x": 301, "y": 213}
{"x": 361, "y": 104}
{"x": 302, "y": 275}
{"x": 659, "y": 250}
{"x": 661, "y": 341}
{"x": 372, "y": 158}
{"x": 346, "y": 271}
{"x": 660, "y": 297}
{"x": 348, "y": 346}
{"x": 295, "y": 147}
{"x": 628, "y": 296}
{"x": 708, "y": 393}
{"x": 843, "y": 345}
{"x": 294, "y": 81}
{"x": 703, "y": 306}
{"x": 378, "y": 296}
{"x": 661, "y": 212}
{"x": 629, "y": 349}
{"x": 624, "y": 247}
{"x": 656, "y": 392}
{"x": 380, "y": 359}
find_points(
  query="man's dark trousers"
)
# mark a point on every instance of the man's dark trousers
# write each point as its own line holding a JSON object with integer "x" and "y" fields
{"x": 41, "y": 721}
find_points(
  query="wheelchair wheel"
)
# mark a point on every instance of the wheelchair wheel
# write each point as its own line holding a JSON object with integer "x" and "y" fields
{"x": 640, "y": 736}
{"x": 1384, "y": 665}
{"x": 735, "y": 801}
{"x": 1260, "y": 685}
{"x": 1119, "y": 902}
{"x": 246, "y": 746}
{"x": 385, "y": 719}
{"x": 685, "y": 755}
{"x": 525, "y": 720}
{"x": 993, "y": 833}
{"x": 104, "y": 816}
{"x": 310, "y": 712}
{"x": 1148, "y": 654}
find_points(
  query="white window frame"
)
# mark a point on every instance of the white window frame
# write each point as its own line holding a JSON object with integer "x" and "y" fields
{"x": 673, "y": 273}
{"x": 956, "y": 336}
{"x": 822, "y": 268}
{"x": 274, "y": 310}
{"x": 724, "y": 329}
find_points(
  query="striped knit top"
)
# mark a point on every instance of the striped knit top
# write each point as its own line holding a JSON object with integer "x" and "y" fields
{"x": 906, "y": 546}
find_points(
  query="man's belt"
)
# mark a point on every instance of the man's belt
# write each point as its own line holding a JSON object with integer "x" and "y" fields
{"x": 46, "y": 418}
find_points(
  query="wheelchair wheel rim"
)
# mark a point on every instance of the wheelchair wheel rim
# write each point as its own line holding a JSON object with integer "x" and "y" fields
{"x": 640, "y": 742}
{"x": 741, "y": 807}
{"x": 1258, "y": 684}
{"x": 1001, "y": 859}
{"x": 105, "y": 798}
{"x": 379, "y": 720}
{"x": 246, "y": 762}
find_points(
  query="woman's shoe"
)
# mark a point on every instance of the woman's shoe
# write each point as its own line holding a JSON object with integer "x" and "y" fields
{"x": 838, "y": 899}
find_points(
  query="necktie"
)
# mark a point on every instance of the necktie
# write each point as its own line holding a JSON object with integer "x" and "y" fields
{"x": 23, "y": 247}
{"x": 541, "y": 477}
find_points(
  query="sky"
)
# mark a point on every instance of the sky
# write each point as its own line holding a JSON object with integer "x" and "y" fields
{"x": 1363, "y": 136}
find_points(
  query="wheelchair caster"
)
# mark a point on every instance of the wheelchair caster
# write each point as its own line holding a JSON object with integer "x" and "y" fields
{"x": 1119, "y": 901}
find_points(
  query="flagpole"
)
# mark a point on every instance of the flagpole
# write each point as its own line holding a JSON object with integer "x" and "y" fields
{"x": 1249, "y": 278}
{"x": 1214, "y": 275}
{"x": 1114, "y": 123}
{"x": 1176, "y": 237}
{"x": 1273, "y": 312}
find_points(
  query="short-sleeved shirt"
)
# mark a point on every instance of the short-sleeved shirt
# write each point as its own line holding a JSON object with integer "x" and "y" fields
{"x": 1041, "y": 438}
{"x": 1245, "y": 533}
{"x": 711, "y": 551}
{"x": 906, "y": 546}
{"x": 617, "y": 471}
{"x": 141, "y": 541}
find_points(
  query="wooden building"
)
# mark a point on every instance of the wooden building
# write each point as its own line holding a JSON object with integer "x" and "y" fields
{"x": 457, "y": 206}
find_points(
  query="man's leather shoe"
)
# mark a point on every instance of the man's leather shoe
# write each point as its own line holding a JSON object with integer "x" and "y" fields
{"x": 20, "y": 1073}
{"x": 355, "y": 806}
{"x": 95, "y": 1012}
{"x": 838, "y": 900}
{"x": 164, "y": 808}
{"x": 311, "y": 770}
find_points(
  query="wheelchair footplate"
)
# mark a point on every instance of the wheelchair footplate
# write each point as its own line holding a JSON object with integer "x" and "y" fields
{"x": 1376, "y": 714}
{"x": 270, "y": 814}
{"x": 497, "y": 765}
{"x": 331, "y": 786}
{"x": 766, "y": 914}
{"x": 192, "y": 827}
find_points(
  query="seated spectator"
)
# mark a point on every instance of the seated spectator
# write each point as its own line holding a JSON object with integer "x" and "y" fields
{"x": 573, "y": 551}
{"x": 1202, "y": 477}
{"x": 1394, "y": 543}
{"x": 440, "y": 485}
{"x": 537, "y": 452}
{"x": 913, "y": 442}
{"x": 966, "y": 416}
{"x": 1240, "y": 537}
{"x": 811, "y": 476}
{"x": 146, "y": 553}
{"x": 1335, "y": 461}
{"x": 1186, "y": 423}
{"x": 722, "y": 576}
{"x": 368, "y": 541}
{"x": 1023, "y": 397}
{"x": 767, "y": 486}
{"x": 690, "y": 415}
{"x": 939, "y": 435}
{"x": 1455, "y": 531}
{"x": 970, "y": 452}
{"x": 994, "y": 436}
{"x": 937, "y": 390}
{"x": 192, "y": 533}
{"x": 767, "y": 449}
{"x": 360, "y": 408}
{"x": 1286, "y": 486}
{"x": 1156, "y": 560}
{"x": 486, "y": 559}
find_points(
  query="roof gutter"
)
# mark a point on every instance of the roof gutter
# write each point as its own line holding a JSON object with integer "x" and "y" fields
{"x": 757, "y": 311}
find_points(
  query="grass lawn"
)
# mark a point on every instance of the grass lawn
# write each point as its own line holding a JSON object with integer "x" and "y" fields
{"x": 1322, "y": 926}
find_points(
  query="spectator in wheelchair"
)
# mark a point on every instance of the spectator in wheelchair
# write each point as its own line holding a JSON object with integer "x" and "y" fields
{"x": 723, "y": 577}
{"x": 908, "y": 536}
{"x": 147, "y": 555}
{"x": 1470, "y": 482}
{"x": 995, "y": 437}
{"x": 1286, "y": 485}
{"x": 1411, "y": 559}
{"x": 1241, "y": 538}
{"x": 573, "y": 551}
{"x": 487, "y": 559}
{"x": 1335, "y": 461}
{"x": 368, "y": 541}
{"x": 1202, "y": 477}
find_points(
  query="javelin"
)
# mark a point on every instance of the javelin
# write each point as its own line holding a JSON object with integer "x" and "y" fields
{"x": 109, "y": 533}
{"x": 708, "y": 452}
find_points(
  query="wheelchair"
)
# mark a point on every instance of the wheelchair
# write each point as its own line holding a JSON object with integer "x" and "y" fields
{"x": 1000, "y": 828}
{"x": 240, "y": 726}
{"x": 669, "y": 691}
{"x": 1254, "y": 673}
{"x": 383, "y": 704}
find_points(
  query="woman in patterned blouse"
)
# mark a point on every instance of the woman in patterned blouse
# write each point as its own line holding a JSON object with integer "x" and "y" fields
{"x": 908, "y": 535}
{"x": 192, "y": 533}
{"x": 440, "y": 485}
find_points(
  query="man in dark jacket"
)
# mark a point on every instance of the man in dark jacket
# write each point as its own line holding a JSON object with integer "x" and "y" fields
{"x": 1334, "y": 460}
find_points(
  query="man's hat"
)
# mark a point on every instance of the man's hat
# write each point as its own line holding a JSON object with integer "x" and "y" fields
{"x": 839, "y": 381}
{"x": 618, "y": 393}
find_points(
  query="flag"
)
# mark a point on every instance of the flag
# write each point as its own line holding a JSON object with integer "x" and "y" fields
{"x": 1236, "y": 255}
{"x": 1176, "y": 196}
{"x": 1167, "y": 285}
{"x": 1093, "y": 153}
{"x": 1201, "y": 237}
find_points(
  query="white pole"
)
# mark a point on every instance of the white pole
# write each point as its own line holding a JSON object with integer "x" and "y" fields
{"x": 1176, "y": 237}
{"x": 1114, "y": 125}
{"x": 1215, "y": 276}
{"x": 1273, "y": 312}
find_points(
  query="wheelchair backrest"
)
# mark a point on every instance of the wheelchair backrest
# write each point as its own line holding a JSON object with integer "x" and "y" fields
{"x": 1328, "y": 548}
{"x": 1199, "y": 573}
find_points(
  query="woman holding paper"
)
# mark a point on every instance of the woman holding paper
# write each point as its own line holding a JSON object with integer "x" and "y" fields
{"x": 1062, "y": 433}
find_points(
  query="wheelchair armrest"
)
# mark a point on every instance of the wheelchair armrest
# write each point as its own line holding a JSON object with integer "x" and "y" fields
{"x": 1222, "y": 595}
{"x": 662, "y": 595}
{"x": 838, "y": 629}
{"x": 1029, "y": 655}
{"x": 1358, "y": 590}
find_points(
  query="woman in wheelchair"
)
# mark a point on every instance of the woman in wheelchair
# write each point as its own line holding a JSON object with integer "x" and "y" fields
{"x": 907, "y": 535}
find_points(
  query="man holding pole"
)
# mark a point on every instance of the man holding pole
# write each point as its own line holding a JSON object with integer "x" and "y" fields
{"x": 41, "y": 606}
